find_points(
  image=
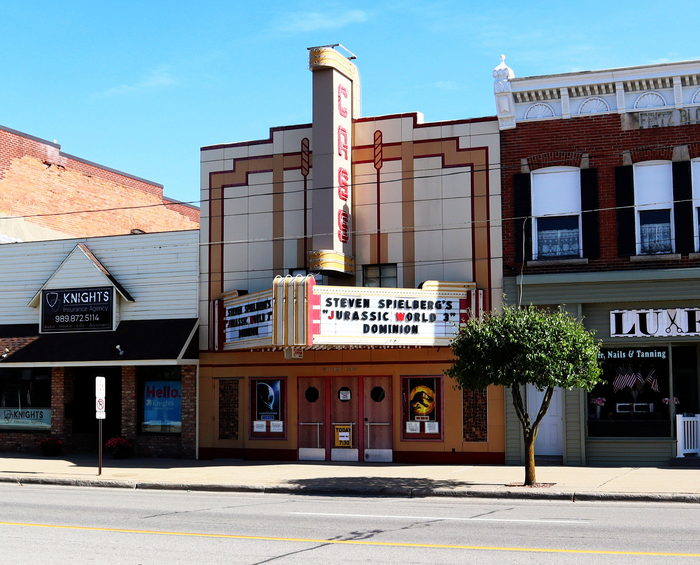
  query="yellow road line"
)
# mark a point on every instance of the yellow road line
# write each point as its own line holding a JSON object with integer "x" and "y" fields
{"x": 355, "y": 542}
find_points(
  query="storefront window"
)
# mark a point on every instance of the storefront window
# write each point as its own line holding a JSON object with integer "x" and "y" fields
{"x": 25, "y": 399}
{"x": 268, "y": 398}
{"x": 422, "y": 407}
{"x": 161, "y": 399}
{"x": 634, "y": 399}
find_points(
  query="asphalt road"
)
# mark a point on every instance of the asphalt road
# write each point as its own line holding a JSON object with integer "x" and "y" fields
{"x": 48, "y": 524}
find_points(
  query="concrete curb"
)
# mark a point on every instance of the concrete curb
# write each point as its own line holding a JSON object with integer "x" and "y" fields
{"x": 398, "y": 492}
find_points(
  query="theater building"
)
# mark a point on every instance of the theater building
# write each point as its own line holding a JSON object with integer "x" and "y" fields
{"x": 121, "y": 307}
{"x": 601, "y": 205}
{"x": 338, "y": 260}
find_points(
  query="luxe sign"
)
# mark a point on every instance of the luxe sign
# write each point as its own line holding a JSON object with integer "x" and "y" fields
{"x": 663, "y": 322}
{"x": 77, "y": 309}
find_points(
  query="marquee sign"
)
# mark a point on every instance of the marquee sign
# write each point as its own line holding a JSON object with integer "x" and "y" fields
{"x": 389, "y": 316}
{"x": 77, "y": 310}
{"x": 662, "y": 322}
{"x": 299, "y": 313}
{"x": 248, "y": 320}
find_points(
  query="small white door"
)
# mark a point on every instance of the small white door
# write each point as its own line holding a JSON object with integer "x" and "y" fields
{"x": 550, "y": 439}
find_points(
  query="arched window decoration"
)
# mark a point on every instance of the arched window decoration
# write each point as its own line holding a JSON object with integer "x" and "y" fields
{"x": 539, "y": 110}
{"x": 594, "y": 105}
{"x": 649, "y": 100}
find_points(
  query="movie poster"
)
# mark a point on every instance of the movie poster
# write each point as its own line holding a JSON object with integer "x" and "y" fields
{"x": 422, "y": 399}
{"x": 268, "y": 399}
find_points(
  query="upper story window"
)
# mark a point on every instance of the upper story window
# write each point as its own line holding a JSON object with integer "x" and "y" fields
{"x": 695, "y": 175}
{"x": 556, "y": 212}
{"x": 384, "y": 275}
{"x": 653, "y": 202}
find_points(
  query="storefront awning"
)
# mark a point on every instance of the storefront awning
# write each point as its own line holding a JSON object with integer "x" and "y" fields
{"x": 133, "y": 341}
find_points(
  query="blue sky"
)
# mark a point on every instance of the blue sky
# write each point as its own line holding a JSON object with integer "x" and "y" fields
{"x": 141, "y": 86}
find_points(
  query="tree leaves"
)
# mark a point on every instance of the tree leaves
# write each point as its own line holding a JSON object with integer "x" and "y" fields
{"x": 525, "y": 346}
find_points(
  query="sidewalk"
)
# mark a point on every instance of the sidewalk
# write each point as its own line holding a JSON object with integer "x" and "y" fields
{"x": 492, "y": 481}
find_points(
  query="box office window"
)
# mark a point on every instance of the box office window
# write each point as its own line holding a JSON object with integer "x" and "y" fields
{"x": 422, "y": 407}
{"x": 268, "y": 398}
{"x": 160, "y": 394}
{"x": 25, "y": 399}
{"x": 634, "y": 400}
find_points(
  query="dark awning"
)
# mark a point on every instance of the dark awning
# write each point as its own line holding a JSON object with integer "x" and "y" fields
{"x": 138, "y": 340}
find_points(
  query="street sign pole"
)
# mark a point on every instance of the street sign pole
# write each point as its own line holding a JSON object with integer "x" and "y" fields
{"x": 100, "y": 414}
{"x": 99, "y": 450}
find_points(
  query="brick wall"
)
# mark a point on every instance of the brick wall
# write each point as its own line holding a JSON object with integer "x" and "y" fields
{"x": 565, "y": 143}
{"x": 58, "y": 401}
{"x": 129, "y": 402}
{"x": 36, "y": 178}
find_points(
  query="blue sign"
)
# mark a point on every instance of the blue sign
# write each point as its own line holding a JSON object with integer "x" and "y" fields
{"x": 162, "y": 406}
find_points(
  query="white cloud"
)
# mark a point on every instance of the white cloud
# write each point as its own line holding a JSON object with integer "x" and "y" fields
{"x": 157, "y": 78}
{"x": 317, "y": 21}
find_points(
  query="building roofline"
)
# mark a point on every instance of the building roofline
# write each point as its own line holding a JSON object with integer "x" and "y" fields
{"x": 413, "y": 115}
{"x": 610, "y": 75}
{"x": 110, "y": 169}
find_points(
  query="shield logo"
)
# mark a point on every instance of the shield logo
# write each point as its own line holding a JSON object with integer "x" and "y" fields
{"x": 51, "y": 299}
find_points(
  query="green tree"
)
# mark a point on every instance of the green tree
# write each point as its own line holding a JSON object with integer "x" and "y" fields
{"x": 526, "y": 346}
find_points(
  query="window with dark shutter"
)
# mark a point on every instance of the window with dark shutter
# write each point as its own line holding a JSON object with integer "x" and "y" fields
{"x": 683, "y": 207}
{"x": 523, "y": 211}
{"x": 590, "y": 216}
{"x": 624, "y": 202}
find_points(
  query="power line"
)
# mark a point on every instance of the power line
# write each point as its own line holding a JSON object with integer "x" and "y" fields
{"x": 442, "y": 173}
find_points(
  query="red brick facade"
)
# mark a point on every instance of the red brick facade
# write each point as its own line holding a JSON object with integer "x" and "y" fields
{"x": 596, "y": 142}
{"x": 37, "y": 179}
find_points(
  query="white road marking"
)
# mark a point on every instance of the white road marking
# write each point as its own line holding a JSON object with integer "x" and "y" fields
{"x": 533, "y": 521}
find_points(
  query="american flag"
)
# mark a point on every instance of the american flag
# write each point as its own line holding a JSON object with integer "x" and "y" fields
{"x": 627, "y": 377}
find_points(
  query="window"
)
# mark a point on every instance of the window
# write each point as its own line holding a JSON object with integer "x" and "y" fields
{"x": 695, "y": 175}
{"x": 655, "y": 231}
{"x": 634, "y": 400}
{"x": 557, "y": 237}
{"x": 25, "y": 399}
{"x": 556, "y": 210}
{"x": 380, "y": 275}
{"x": 653, "y": 201}
{"x": 161, "y": 399}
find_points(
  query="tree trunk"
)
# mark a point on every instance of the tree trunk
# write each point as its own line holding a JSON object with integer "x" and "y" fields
{"x": 530, "y": 478}
{"x": 530, "y": 429}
